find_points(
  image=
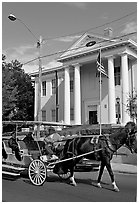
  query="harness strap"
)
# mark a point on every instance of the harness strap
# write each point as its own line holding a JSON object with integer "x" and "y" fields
{"x": 110, "y": 145}
{"x": 73, "y": 148}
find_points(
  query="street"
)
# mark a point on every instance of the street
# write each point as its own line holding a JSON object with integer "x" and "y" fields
{"x": 55, "y": 190}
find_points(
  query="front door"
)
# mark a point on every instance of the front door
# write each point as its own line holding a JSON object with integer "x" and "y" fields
{"x": 93, "y": 117}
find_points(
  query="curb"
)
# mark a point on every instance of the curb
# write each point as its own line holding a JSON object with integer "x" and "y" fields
{"x": 124, "y": 168}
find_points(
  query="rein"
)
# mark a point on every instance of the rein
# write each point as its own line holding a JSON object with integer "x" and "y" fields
{"x": 74, "y": 157}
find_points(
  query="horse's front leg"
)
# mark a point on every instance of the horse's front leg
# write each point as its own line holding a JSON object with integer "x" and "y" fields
{"x": 108, "y": 166}
{"x": 72, "y": 179}
{"x": 100, "y": 174}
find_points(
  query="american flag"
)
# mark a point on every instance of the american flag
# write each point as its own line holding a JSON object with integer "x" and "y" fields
{"x": 100, "y": 67}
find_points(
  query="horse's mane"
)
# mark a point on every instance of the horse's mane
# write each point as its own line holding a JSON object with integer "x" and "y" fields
{"x": 117, "y": 135}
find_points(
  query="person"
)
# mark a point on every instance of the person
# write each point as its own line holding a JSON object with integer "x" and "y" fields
{"x": 13, "y": 142}
{"x": 29, "y": 138}
{"x": 51, "y": 141}
{"x": 53, "y": 138}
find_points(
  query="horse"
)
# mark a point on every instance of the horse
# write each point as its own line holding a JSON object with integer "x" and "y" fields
{"x": 103, "y": 151}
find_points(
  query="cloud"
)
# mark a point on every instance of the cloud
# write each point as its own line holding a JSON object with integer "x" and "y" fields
{"x": 53, "y": 64}
{"x": 104, "y": 16}
{"x": 80, "y": 5}
{"x": 22, "y": 53}
{"x": 33, "y": 68}
{"x": 24, "y": 49}
{"x": 68, "y": 38}
{"x": 130, "y": 28}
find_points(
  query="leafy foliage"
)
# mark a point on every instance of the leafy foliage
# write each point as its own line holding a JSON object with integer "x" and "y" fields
{"x": 17, "y": 92}
{"x": 132, "y": 105}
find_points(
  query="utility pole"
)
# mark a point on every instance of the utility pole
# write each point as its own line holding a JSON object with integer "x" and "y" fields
{"x": 39, "y": 44}
{"x": 57, "y": 105}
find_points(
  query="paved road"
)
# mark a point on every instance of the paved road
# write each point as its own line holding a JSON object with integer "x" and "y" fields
{"x": 54, "y": 190}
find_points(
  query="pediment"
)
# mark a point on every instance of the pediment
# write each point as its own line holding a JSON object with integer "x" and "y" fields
{"x": 81, "y": 45}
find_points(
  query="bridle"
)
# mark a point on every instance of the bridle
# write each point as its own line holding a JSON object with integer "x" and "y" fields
{"x": 130, "y": 137}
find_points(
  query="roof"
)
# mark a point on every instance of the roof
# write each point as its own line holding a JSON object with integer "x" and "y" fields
{"x": 79, "y": 48}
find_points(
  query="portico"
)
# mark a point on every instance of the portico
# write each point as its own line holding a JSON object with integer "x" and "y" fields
{"x": 82, "y": 104}
{"x": 111, "y": 102}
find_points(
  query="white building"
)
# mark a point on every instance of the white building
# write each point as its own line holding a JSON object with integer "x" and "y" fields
{"x": 78, "y": 87}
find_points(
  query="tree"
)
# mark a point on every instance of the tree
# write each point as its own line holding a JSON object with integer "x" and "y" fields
{"x": 17, "y": 92}
{"x": 9, "y": 91}
{"x": 132, "y": 105}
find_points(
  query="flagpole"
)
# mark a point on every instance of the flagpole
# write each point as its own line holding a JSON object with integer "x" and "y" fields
{"x": 100, "y": 92}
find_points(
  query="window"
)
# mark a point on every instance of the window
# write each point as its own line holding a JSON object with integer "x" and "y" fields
{"x": 53, "y": 115}
{"x": 72, "y": 114}
{"x": 53, "y": 86}
{"x": 117, "y": 75}
{"x": 71, "y": 85}
{"x": 43, "y": 115}
{"x": 44, "y": 88}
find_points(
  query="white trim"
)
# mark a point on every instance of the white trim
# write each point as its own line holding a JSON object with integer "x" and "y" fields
{"x": 87, "y": 103}
{"x": 97, "y": 48}
{"x": 10, "y": 173}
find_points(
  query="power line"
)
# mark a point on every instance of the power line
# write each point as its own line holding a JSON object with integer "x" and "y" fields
{"x": 124, "y": 23}
{"x": 79, "y": 33}
{"x": 62, "y": 51}
{"x": 93, "y": 28}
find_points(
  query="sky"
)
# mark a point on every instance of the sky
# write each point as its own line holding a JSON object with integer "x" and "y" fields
{"x": 60, "y": 24}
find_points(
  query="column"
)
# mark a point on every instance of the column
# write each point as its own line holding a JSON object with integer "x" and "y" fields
{"x": 125, "y": 87}
{"x": 67, "y": 96}
{"x": 111, "y": 92}
{"x": 77, "y": 95}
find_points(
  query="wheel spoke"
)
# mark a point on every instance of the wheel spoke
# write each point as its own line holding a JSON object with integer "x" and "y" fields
{"x": 37, "y": 172}
{"x": 41, "y": 178}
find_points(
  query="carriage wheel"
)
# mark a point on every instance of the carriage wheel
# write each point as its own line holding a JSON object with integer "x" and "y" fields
{"x": 65, "y": 176}
{"x": 37, "y": 172}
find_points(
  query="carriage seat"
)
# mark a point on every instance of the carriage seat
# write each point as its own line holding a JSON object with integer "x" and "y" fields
{"x": 22, "y": 147}
{"x": 4, "y": 153}
{"x": 6, "y": 147}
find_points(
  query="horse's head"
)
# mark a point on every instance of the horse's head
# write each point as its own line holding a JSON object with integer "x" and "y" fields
{"x": 131, "y": 141}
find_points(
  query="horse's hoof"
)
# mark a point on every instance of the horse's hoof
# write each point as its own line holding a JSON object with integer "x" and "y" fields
{"x": 73, "y": 184}
{"x": 99, "y": 185}
{"x": 116, "y": 189}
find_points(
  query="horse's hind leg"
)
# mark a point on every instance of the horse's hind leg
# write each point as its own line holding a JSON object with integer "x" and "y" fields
{"x": 100, "y": 174}
{"x": 108, "y": 166}
{"x": 72, "y": 179}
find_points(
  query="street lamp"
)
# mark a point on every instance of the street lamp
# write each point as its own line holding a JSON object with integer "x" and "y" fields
{"x": 12, "y": 17}
{"x": 39, "y": 45}
{"x": 118, "y": 109}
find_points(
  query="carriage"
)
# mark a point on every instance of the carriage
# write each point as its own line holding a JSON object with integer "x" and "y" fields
{"x": 29, "y": 158}
{"x": 75, "y": 148}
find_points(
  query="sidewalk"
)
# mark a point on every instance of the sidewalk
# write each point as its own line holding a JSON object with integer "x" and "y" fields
{"x": 124, "y": 168}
